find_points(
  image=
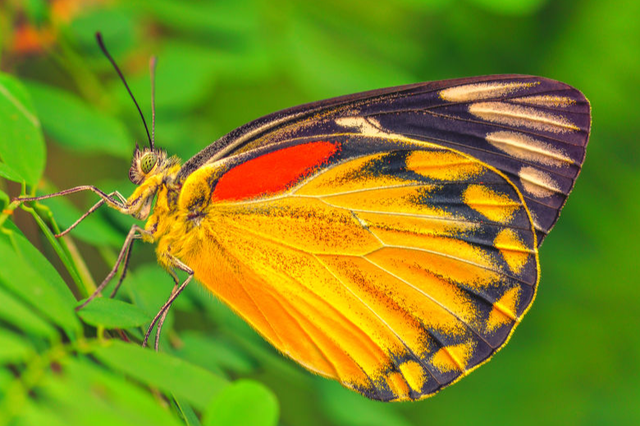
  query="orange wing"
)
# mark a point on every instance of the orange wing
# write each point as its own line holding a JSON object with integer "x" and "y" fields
{"x": 395, "y": 272}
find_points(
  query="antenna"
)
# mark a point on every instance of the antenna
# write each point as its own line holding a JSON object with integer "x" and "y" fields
{"x": 152, "y": 69}
{"x": 104, "y": 50}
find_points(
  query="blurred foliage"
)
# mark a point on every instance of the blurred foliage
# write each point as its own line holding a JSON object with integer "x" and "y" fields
{"x": 574, "y": 361}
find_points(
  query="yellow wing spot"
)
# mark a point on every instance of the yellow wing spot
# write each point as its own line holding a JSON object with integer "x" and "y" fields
{"x": 440, "y": 305}
{"x": 454, "y": 357}
{"x": 398, "y": 386}
{"x": 449, "y": 258}
{"x": 443, "y": 165}
{"x": 417, "y": 225}
{"x": 504, "y": 309}
{"x": 493, "y": 206}
{"x": 478, "y": 91}
{"x": 546, "y": 101}
{"x": 537, "y": 182}
{"x": 516, "y": 115}
{"x": 528, "y": 148}
{"x": 515, "y": 253}
{"x": 414, "y": 374}
{"x": 406, "y": 200}
{"x": 397, "y": 304}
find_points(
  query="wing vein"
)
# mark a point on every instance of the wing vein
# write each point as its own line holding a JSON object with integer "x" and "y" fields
{"x": 415, "y": 356}
{"x": 419, "y": 216}
{"x": 337, "y": 313}
{"x": 468, "y": 326}
{"x": 295, "y": 320}
{"x": 458, "y": 259}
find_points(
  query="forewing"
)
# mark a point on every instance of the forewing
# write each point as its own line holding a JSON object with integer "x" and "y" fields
{"x": 532, "y": 129}
{"x": 392, "y": 265}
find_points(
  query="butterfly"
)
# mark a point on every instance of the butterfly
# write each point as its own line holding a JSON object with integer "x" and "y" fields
{"x": 386, "y": 239}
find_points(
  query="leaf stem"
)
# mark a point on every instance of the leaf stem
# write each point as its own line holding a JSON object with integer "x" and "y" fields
{"x": 71, "y": 259}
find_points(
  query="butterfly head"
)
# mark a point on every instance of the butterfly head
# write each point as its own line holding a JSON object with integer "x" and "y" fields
{"x": 151, "y": 170}
{"x": 146, "y": 162}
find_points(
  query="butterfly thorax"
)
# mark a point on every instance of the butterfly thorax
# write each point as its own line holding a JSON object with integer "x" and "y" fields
{"x": 180, "y": 206}
{"x": 180, "y": 209}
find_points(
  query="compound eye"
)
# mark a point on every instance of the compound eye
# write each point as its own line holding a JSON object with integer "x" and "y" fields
{"x": 147, "y": 162}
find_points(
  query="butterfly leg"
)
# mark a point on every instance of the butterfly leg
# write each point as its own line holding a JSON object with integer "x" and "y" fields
{"x": 95, "y": 207}
{"x": 125, "y": 267}
{"x": 113, "y": 199}
{"x": 120, "y": 203}
{"x": 176, "y": 281}
{"x": 161, "y": 315}
{"x": 135, "y": 233}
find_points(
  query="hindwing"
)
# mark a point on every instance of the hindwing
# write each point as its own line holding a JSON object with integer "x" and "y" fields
{"x": 393, "y": 265}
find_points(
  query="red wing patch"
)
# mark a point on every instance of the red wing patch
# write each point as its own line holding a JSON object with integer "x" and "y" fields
{"x": 273, "y": 172}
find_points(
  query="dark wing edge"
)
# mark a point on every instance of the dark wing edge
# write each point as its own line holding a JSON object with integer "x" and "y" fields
{"x": 533, "y": 129}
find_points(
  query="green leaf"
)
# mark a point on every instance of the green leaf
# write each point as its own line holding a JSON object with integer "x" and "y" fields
{"x": 245, "y": 402}
{"x": 40, "y": 264}
{"x": 20, "y": 316}
{"x": 13, "y": 348}
{"x": 334, "y": 67}
{"x": 34, "y": 413}
{"x": 19, "y": 275}
{"x": 62, "y": 253}
{"x": 348, "y": 408}
{"x": 187, "y": 413}
{"x": 214, "y": 354}
{"x": 116, "y": 25}
{"x": 426, "y": 5}
{"x": 112, "y": 313}
{"x": 84, "y": 393}
{"x": 78, "y": 125}
{"x": 6, "y": 378}
{"x": 22, "y": 146}
{"x": 150, "y": 287}
{"x": 511, "y": 7}
{"x": 37, "y": 11}
{"x": 170, "y": 374}
{"x": 214, "y": 18}
{"x": 178, "y": 86}
{"x": 8, "y": 173}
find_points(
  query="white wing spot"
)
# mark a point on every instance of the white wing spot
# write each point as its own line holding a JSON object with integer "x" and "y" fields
{"x": 527, "y": 148}
{"x": 546, "y": 101}
{"x": 479, "y": 91}
{"x": 520, "y": 116}
{"x": 537, "y": 182}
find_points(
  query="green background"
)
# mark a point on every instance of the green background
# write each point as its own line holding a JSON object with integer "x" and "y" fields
{"x": 575, "y": 359}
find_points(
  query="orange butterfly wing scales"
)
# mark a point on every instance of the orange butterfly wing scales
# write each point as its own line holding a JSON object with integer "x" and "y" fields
{"x": 382, "y": 270}
{"x": 385, "y": 239}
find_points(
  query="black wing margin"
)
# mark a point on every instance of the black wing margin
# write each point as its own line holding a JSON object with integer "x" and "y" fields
{"x": 533, "y": 129}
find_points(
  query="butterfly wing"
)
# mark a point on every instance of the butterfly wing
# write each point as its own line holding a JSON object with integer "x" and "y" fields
{"x": 532, "y": 129}
{"x": 390, "y": 264}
